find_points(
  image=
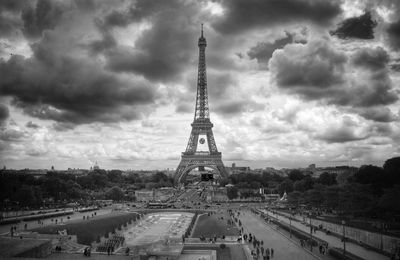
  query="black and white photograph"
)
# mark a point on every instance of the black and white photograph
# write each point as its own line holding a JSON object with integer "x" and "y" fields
{"x": 200, "y": 129}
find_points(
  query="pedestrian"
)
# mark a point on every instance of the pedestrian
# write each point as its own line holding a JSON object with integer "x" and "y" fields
{"x": 262, "y": 250}
{"x": 272, "y": 252}
{"x": 108, "y": 250}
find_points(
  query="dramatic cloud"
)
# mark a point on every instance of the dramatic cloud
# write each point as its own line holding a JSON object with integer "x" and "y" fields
{"x": 161, "y": 52}
{"x": 378, "y": 114}
{"x": 263, "y": 51}
{"x": 356, "y": 27}
{"x": 373, "y": 59}
{"x": 346, "y": 130}
{"x": 44, "y": 15}
{"x": 51, "y": 85}
{"x": 308, "y": 69}
{"x": 32, "y": 125}
{"x": 244, "y": 15}
{"x": 317, "y": 72}
{"x": 115, "y": 81}
{"x": 4, "y": 113}
{"x": 394, "y": 35}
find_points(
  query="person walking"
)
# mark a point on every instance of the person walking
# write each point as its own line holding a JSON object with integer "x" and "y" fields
{"x": 272, "y": 252}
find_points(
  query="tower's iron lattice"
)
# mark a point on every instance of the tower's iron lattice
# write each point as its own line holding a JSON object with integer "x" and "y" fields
{"x": 201, "y": 125}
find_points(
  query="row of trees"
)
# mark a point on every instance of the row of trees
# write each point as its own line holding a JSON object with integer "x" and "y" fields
{"x": 21, "y": 190}
{"x": 371, "y": 191}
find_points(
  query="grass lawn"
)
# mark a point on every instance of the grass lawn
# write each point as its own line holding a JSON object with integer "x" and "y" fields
{"x": 230, "y": 252}
{"x": 209, "y": 226}
{"x": 222, "y": 254}
{"x": 90, "y": 230}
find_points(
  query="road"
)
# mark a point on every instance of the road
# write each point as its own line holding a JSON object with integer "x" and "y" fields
{"x": 283, "y": 248}
{"x": 335, "y": 241}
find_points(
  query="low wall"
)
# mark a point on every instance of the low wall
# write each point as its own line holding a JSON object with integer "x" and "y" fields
{"x": 379, "y": 241}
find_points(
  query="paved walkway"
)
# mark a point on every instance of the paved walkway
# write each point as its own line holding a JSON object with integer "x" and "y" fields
{"x": 334, "y": 241}
{"x": 283, "y": 248}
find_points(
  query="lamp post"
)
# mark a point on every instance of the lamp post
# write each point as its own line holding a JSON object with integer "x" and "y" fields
{"x": 344, "y": 237}
{"x": 290, "y": 224}
{"x": 311, "y": 243}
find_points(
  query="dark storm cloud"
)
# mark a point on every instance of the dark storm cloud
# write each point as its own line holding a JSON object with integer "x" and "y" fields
{"x": 11, "y": 134}
{"x": 341, "y": 135}
{"x": 139, "y": 10}
{"x": 263, "y": 51}
{"x": 13, "y": 5}
{"x": 317, "y": 72}
{"x": 32, "y": 125}
{"x": 45, "y": 15}
{"x": 52, "y": 85}
{"x": 316, "y": 66}
{"x": 162, "y": 52}
{"x": 373, "y": 59}
{"x": 8, "y": 24}
{"x": 4, "y": 113}
{"x": 63, "y": 126}
{"x": 377, "y": 114}
{"x": 394, "y": 35}
{"x": 360, "y": 27}
{"x": 242, "y": 15}
{"x": 107, "y": 42}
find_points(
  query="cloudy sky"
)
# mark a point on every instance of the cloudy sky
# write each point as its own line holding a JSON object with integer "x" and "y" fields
{"x": 291, "y": 82}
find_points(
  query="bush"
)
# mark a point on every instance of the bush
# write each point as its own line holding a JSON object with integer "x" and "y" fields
{"x": 222, "y": 246}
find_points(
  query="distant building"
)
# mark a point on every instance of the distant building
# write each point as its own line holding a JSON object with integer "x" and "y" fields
{"x": 96, "y": 167}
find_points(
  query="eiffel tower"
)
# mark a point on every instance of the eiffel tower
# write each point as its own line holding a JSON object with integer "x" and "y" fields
{"x": 201, "y": 126}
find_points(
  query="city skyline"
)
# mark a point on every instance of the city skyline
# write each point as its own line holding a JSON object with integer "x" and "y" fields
{"x": 290, "y": 83}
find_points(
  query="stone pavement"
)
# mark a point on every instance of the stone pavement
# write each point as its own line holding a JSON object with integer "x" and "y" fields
{"x": 334, "y": 241}
{"x": 283, "y": 248}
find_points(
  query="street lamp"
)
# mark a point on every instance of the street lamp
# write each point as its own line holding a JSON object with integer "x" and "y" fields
{"x": 311, "y": 243}
{"x": 290, "y": 224}
{"x": 344, "y": 237}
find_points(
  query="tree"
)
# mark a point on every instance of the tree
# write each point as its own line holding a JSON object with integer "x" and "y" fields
{"x": 392, "y": 168}
{"x": 115, "y": 193}
{"x": 304, "y": 184}
{"x": 285, "y": 186}
{"x": 232, "y": 193}
{"x": 115, "y": 176}
{"x": 295, "y": 175}
{"x": 295, "y": 198}
{"x": 331, "y": 197}
{"x": 327, "y": 179}
{"x": 374, "y": 175}
{"x": 390, "y": 199}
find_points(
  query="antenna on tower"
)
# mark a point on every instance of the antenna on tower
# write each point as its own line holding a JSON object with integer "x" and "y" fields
{"x": 201, "y": 30}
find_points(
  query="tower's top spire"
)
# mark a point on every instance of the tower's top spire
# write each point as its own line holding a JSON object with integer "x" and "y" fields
{"x": 202, "y": 40}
